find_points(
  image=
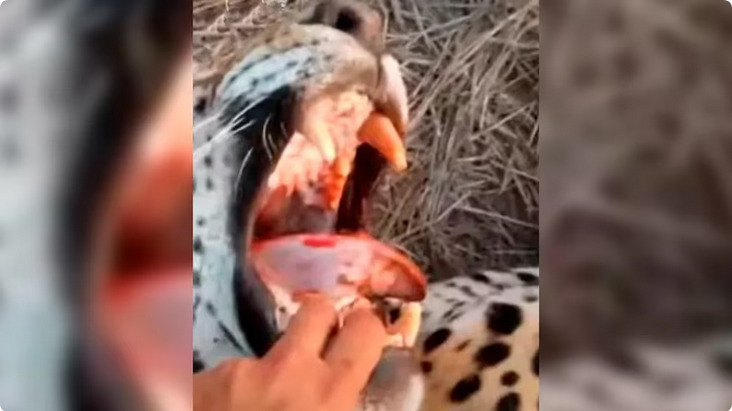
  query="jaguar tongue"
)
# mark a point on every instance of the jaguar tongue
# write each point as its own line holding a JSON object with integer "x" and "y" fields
{"x": 339, "y": 266}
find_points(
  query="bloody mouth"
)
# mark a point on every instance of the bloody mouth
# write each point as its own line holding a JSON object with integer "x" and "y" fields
{"x": 310, "y": 230}
{"x": 309, "y": 227}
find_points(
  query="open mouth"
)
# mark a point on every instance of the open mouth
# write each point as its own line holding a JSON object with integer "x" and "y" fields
{"x": 309, "y": 233}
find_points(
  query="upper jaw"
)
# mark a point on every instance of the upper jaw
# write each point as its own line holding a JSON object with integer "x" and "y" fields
{"x": 351, "y": 96}
{"x": 315, "y": 62}
{"x": 322, "y": 153}
{"x": 387, "y": 100}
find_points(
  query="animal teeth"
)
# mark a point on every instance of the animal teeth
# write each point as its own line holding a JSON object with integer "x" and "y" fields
{"x": 379, "y": 131}
{"x": 407, "y": 326}
{"x": 395, "y": 101}
{"x": 303, "y": 164}
{"x": 315, "y": 127}
{"x": 336, "y": 181}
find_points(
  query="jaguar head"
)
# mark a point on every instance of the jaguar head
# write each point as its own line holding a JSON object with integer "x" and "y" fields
{"x": 301, "y": 127}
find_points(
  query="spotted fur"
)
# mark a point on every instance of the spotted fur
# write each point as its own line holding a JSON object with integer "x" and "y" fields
{"x": 478, "y": 347}
{"x": 255, "y": 95}
{"x": 479, "y": 342}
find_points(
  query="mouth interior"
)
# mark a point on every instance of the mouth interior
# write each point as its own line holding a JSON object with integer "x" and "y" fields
{"x": 309, "y": 230}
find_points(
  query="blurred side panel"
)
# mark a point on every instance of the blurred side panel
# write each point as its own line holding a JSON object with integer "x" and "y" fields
{"x": 636, "y": 205}
{"x": 75, "y": 76}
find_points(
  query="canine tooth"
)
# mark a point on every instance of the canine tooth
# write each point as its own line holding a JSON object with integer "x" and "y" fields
{"x": 379, "y": 131}
{"x": 395, "y": 104}
{"x": 322, "y": 139}
{"x": 410, "y": 322}
{"x": 315, "y": 128}
{"x": 336, "y": 180}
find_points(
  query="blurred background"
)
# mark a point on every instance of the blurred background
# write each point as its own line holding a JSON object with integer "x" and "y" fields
{"x": 636, "y": 205}
{"x": 77, "y": 80}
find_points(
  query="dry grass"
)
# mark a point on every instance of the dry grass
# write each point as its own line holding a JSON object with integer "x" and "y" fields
{"x": 636, "y": 204}
{"x": 469, "y": 200}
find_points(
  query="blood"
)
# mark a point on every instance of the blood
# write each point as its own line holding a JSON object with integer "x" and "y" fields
{"x": 319, "y": 242}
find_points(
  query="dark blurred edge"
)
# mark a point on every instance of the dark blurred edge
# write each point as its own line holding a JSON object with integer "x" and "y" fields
{"x": 162, "y": 31}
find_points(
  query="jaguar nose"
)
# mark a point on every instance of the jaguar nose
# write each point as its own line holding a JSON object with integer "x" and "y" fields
{"x": 364, "y": 23}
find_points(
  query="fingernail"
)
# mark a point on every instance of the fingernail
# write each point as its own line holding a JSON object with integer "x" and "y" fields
{"x": 303, "y": 296}
{"x": 362, "y": 303}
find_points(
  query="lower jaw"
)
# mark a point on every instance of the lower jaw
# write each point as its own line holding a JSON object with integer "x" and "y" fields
{"x": 346, "y": 268}
{"x": 337, "y": 265}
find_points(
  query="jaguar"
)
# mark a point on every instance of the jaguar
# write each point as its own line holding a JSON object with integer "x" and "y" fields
{"x": 287, "y": 148}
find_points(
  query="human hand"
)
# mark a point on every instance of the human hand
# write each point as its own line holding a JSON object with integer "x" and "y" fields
{"x": 308, "y": 369}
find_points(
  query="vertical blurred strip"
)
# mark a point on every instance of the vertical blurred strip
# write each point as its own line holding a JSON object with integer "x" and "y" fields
{"x": 76, "y": 76}
{"x": 636, "y": 205}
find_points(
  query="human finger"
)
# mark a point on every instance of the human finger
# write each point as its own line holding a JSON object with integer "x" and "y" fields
{"x": 355, "y": 350}
{"x": 309, "y": 328}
